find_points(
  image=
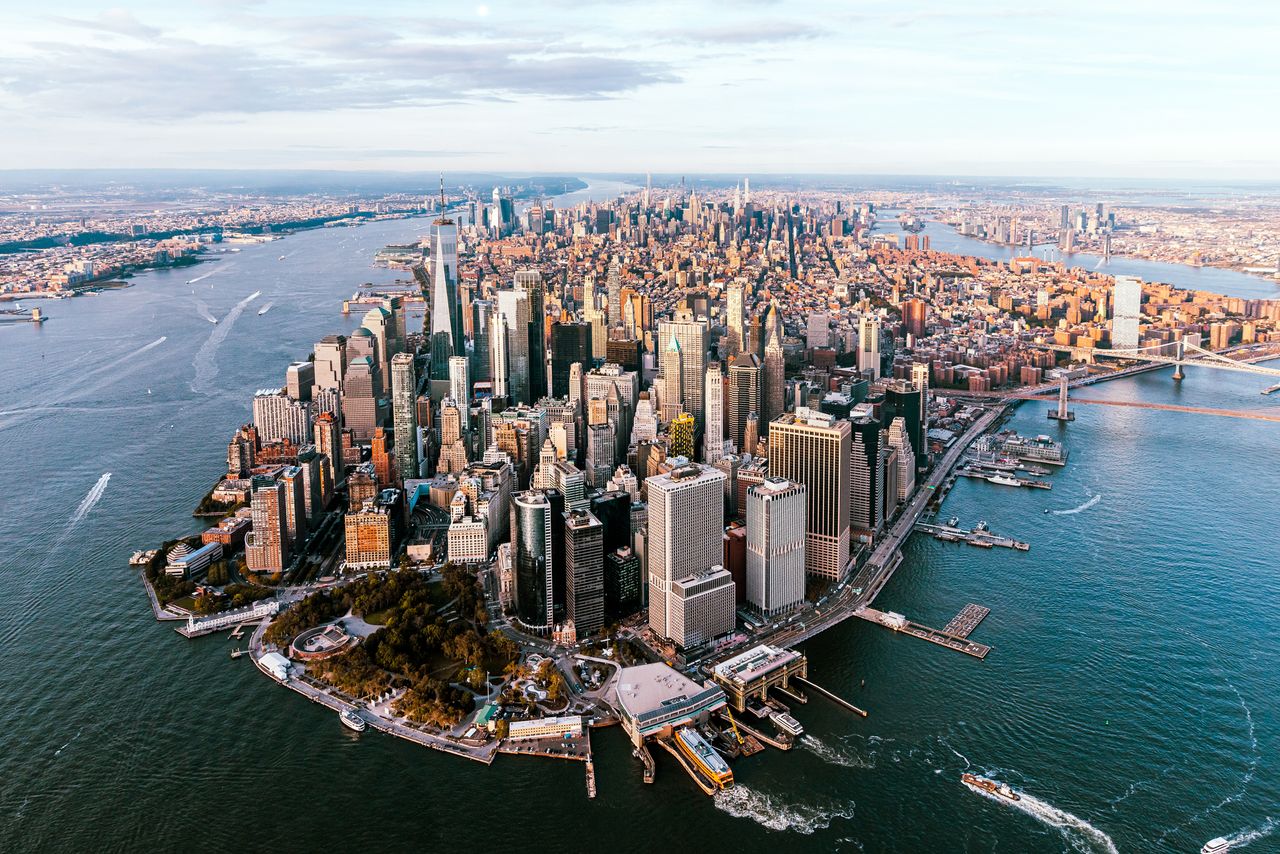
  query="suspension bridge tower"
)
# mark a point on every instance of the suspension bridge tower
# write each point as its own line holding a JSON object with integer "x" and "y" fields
{"x": 1062, "y": 414}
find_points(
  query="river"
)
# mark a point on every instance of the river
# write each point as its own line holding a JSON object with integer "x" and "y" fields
{"x": 1130, "y": 691}
{"x": 944, "y": 238}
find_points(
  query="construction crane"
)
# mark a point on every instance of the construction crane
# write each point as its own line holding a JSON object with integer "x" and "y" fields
{"x": 734, "y": 724}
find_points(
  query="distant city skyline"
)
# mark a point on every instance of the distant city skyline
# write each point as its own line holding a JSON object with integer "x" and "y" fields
{"x": 1165, "y": 90}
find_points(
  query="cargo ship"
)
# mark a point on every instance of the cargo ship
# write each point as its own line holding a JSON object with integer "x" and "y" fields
{"x": 704, "y": 756}
{"x": 991, "y": 787}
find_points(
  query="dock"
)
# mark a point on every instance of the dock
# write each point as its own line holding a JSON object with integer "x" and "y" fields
{"x": 963, "y": 624}
{"x": 942, "y": 638}
{"x": 645, "y": 757}
{"x": 591, "y": 778}
{"x": 1021, "y": 481}
{"x": 840, "y": 701}
{"x": 980, "y": 538}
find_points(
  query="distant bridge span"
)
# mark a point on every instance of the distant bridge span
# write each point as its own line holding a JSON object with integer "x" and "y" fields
{"x": 1167, "y": 407}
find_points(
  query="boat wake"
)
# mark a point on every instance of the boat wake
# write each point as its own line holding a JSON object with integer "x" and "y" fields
{"x": 205, "y": 364}
{"x": 200, "y": 278}
{"x": 1079, "y": 834}
{"x": 204, "y": 312}
{"x": 1242, "y": 838}
{"x": 834, "y": 755}
{"x": 94, "y": 496}
{"x": 775, "y": 813}
{"x": 1083, "y": 507}
{"x": 68, "y": 744}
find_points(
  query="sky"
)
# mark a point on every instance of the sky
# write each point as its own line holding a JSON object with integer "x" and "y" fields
{"x": 1128, "y": 89}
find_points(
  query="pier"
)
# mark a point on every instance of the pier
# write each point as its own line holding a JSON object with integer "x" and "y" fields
{"x": 963, "y": 624}
{"x": 1020, "y": 481}
{"x": 981, "y": 539}
{"x": 899, "y": 623}
{"x": 260, "y": 610}
{"x": 707, "y": 786}
{"x": 650, "y": 767}
{"x": 840, "y": 701}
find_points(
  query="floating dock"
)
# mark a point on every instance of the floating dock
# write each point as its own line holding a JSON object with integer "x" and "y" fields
{"x": 963, "y": 624}
{"x": 975, "y": 537}
{"x": 899, "y": 623}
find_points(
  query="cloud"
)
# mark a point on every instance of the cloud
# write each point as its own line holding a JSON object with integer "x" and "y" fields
{"x": 334, "y": 64}
{"x": 118, "y": 21}
{"x": 755, "y": 32}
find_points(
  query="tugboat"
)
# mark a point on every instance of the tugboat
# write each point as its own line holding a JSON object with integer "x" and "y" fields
{"x": 991, "y": 787}
{"x": 351, "y": 720}
{"x": 1216, "y": 846}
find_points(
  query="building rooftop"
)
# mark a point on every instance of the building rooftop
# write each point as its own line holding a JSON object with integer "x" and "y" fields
{"x": 754, "y": 663}
{"x": 648, "y": 687}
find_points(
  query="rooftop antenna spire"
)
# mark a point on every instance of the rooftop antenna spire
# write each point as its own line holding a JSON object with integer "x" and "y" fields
{"x": 442, "y": 192}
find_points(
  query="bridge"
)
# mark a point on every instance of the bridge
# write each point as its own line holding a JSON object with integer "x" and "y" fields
{"x": 1186, "y": 352}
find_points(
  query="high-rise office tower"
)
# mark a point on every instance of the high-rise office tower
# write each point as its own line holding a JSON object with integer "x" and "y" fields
{"x": 381, "y": 325}
{"x": 905, "y": 400}
{"x": 330, "y": 362}
{"x": 266, "y": 548}
{"x": 584, "y": 571}
{"x": 295, "y": 505}
{"x": 481, "y": 317}
{"x": 623, "y": 583}
{"x": 900, "y": 441}
{"x": 615, "y": 292}
{"x": 404, "y": 414}
{"x": 776, "y": 538}
{"x": 530, "y": 281}
{"x": 713, "y": 400}
{"x": 745, "y": 376}
{"x": 817, "y": 332}
{"x": 672, "y": 370}
{"x": 570, "y": 343}
{"x": 869, "y": 345}
{"x": 680, "y": 434}
{"x": 499, "y": 368}
{"x": 693, "y": 337}
{"x": 775, "y": 377}
{"x": 601, "y": 451}
{"x": 360, "y": 398}
{"x": 1126, "y": 312}
{"x": 813, "y": 448}
{"x": 734, "y": 319}
{"x": 866, "y": 479}
{"x": 460, "y": 388}
{"x": 915, "y": 316}
{"x": 446, "y": 305}
{"x": 684, "y": 543}
{"x": 300, "y": 378}
{"x": 532, "y": 541}
{"x": 513, "y": 306}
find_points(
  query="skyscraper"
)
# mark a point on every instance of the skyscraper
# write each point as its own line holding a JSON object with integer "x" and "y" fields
{"x": 869, "y": 345}
{"x": 570, "y": 343}
{"x": 330, "y": 362}
{"x": 615, "y": 292}
{"x": 734, "y": 319}
{"x": 530, "y": 281}
{"x": 900, "y": 440}
{"x": 693, "y": 337}
{"x": 532, "y": 533}
{"x": 776, "y": 519}
{"x": 499, "y": 369}
{"x": 404, "y": 414}
{"x": 513, "y": 305}
{"x": 813, "y": 448}
{"x": 1127, "y": 312}
{"x": 266, "y": 547}
{"x": 744, "y": 397}
{"x": 775, "y": 375}
{"x": 460, "y": 388}
{"x": 672, "y": 370}
{"x": 713, "y": 400}
{"x": 686, "y": 527}
{"x": 866, "y": 479}
{"x": 360, "y": 398}
{"x": 481, "y": 315}
{"x": 584, "y": 571}
{"x": 446, "y": 311}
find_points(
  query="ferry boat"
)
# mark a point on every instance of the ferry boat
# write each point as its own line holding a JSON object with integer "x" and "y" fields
{"x": 704, "y": 756}
{"x": 1216, "y": 846}
{"x": 991, "y": 787}
{"x": 1004, "y": 480}
{"x": 351, "y": 720}
{"x": 788, "y": 724}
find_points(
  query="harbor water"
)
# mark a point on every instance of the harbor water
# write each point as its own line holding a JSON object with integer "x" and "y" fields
{"x": 1130, "y": 694}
